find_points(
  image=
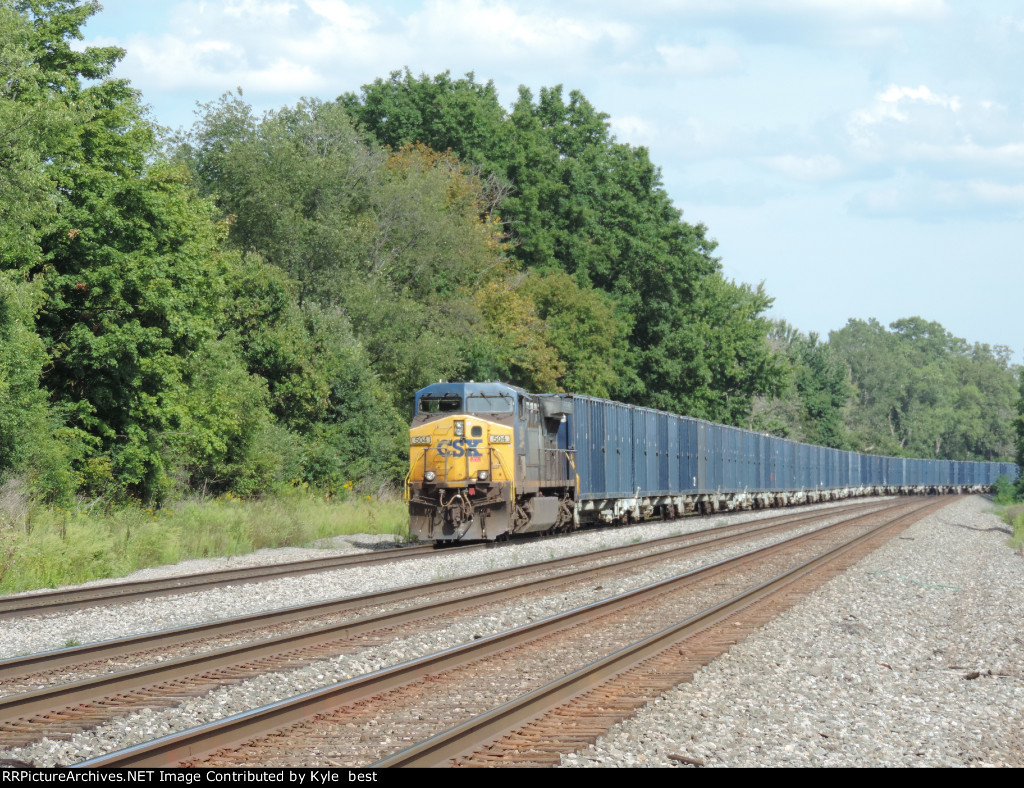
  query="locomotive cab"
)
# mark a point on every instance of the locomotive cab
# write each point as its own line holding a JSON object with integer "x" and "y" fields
{"x": 488, "y": 459}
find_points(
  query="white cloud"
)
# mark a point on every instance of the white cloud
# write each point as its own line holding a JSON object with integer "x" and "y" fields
{"x": 632, "y": 128}
{"x": 917, "y": 124}
{"x": 1008, "y": 156}
{"x": 848, "y": 9}
{"x": 259, "y": 9}
{"x": 998, "y": 193}
{"x": 688, "y": 61}
{"x": 302, "y": 46}
{"x": 859, "y": 10}
{"x": 502, "y": 30}
{"x": 823, "y": 167}
{"x": 265, "y": 46}
{"x": 343, "y": 15}
{"x": 893, "y": 104}
{"x": 930, "y": 200}
{"x": 170, "y": 63}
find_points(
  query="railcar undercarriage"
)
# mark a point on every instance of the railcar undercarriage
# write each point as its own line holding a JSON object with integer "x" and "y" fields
{"x": 483, "y": 512}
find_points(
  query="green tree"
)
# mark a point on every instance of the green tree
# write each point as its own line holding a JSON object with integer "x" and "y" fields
{"x": 460, "y": 115}
{"x": 1019, "y": 425}
{"x": 588, "y": 332}
{"x": 337, "y": 416}
{"x": 923, "y": 392}
{"x": 398, "y": 241}
{"x": 32, "y": 442}
{"x": 130, "y": 264}
{"x": 28, "y": 122}
{"x": 577, "y": 201}
{"x": 812, "y": 408}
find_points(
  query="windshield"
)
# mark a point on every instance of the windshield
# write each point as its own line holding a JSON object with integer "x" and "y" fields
{"x": 447, "y": 404}
{"x": 497, "y": 403}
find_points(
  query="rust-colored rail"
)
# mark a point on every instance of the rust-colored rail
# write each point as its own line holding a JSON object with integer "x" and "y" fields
{"x": 115, "y": 649}
{"x": 188, "y": 675}
{"x": 59, "y": 601}
{"x": 474, "y": 735}
{"x": 243, "y": 727}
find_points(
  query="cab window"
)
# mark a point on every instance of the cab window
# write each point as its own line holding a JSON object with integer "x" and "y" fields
{"x": 440, "y": 404}
{"x": 497, "y": 403}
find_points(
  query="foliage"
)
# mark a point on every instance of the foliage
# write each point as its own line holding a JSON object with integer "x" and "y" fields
{"x": 923, "y": 392}
{"x": 1019, "y": 425}
{"x": 30, "y": 434}
{"x": 579, "y": 203}
{"x": 459, "y": 115}
{"x": 588, "y": 331}
{"x": 27, "y": 120}
{"x": 397, "y": 241}
{"x": 250, "y": 308}
{"x": 167, "y": 358}
{"x": 515, "y": 345}
{"x": 813, "y": 406}
{"x": 1004, "y": 490}
{"x": 1015, "y": 517}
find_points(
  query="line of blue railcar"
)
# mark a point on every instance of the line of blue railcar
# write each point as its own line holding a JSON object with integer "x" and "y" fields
{"x": 489, "y": 459}
{"x": 642, "y": 457}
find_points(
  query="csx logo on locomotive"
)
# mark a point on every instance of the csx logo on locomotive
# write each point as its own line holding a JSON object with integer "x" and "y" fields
{"x": 463, "y": 447}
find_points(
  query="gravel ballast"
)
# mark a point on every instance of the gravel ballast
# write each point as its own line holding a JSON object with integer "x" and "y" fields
{"x": 850, "y": 684}
{"x": 45, "y": 632}
{"x": 913, "y": 657}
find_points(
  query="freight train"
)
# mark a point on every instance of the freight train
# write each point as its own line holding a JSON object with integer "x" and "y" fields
{"x": 490, "y": 460}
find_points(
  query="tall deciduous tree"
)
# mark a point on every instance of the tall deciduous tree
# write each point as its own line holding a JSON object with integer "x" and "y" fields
{"x": 923, "y": 392}
{"x": 399, "y": 241}
{"x": 129, "y": 263}
{"x": 1019, "y": 424}
{"x": 582, "y": 203}
{"x": 813, "y": 407}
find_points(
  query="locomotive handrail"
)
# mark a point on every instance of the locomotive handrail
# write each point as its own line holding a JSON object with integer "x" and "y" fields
{"x": 572, "y": 464}
{"x": 511, "y": 478}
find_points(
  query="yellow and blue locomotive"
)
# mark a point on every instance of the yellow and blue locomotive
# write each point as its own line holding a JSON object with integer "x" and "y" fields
{"x": 489, "y": 459}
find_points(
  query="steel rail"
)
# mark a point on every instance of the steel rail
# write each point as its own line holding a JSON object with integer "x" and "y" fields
{"x": 44, "y": 602}
{"x": 49, "y": 601}
{"x": 239, "y": 728}
{"x": 476, "y": 733}
{"x": 112, "y": 649}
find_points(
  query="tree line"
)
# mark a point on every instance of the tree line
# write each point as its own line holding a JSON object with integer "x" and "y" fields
{"x": 252, "y": 302}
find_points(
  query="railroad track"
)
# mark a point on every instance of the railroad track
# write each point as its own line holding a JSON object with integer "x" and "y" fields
{"x": 57, "y": 602}
{"x": 459, "y": 680}
{"x": 61, "y": 601}
{"x": 161, "y": 680}
{"x": 536, "y": 729}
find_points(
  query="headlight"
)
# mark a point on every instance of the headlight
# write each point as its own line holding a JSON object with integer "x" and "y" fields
{"x": 460, "y": 428}
{"x": 500, "y": 438}
{"x": 482, "y": 475}
{"x": 429, "y": 476}
{"x": 421, "y": 440}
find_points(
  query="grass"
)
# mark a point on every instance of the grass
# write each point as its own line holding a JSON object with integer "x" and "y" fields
{"x": 1014, "y": 515}
{"x": 55, "y": 547}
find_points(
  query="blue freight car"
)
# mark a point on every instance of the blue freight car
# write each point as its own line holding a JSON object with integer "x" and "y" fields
{"x": 488, "y": 460}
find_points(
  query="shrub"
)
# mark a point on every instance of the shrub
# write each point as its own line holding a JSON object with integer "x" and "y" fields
{"x": 1006, "y": 492}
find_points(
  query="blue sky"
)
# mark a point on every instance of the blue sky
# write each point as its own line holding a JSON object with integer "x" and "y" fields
{"x": 864, "y": 158}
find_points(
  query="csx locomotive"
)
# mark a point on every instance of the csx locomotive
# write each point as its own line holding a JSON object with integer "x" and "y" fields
{"x": 488, "y": 460}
